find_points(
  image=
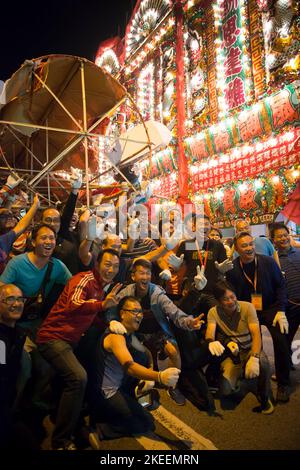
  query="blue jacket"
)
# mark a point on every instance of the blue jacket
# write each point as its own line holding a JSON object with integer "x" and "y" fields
{"x": 162, "y": 307}
{"x": 270, "y": 283}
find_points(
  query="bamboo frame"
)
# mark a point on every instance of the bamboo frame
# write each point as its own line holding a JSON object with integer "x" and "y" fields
{"x": 83, "y": 133}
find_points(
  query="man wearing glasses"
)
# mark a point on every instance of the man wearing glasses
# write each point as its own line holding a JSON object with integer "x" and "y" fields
{"x": 115, "y": 407}
{"x": 12, "y": 339}
{"x": 158, "y": 313}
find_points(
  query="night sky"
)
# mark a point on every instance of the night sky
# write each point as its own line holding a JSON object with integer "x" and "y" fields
{"x": 32, "y": 28}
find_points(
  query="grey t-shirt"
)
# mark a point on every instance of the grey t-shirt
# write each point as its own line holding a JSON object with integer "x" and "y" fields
{"x": 234, "y": 327}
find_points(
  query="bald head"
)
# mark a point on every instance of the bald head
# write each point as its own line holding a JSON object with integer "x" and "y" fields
{"x": 242, "y": 226}
{"x": 113, "y": 242}
{"x": 11, "y": 304}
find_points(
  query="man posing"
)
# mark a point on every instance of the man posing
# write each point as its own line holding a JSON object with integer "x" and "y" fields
{"x": 233, "y": 332}
{"x": 155, "y": 329}
{"x": 258, "y": 279}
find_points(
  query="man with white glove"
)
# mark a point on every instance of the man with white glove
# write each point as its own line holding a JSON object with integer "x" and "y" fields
{"x": 75, "y": 179}
{"x": 199, "y": 250}
{"x": 282, "y": 321}
{"x": 235, "y": 324}
{"x": 160, "y": 310}
{"x": 200, "y": 280}
{"x": 225, "y": 266}
{"x": 258, "y": 279}
{"x": 115, "y": 361}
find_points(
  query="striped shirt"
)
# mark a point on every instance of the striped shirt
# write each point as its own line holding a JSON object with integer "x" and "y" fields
{"x": 141, "y": 248}
{"x": 234, "y": 327}
{"x": 290, "y": 265}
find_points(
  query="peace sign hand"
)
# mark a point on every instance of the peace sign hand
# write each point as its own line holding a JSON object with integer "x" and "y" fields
{"x": 112, "y": 299}
{"x": 196, "y": 323}
{"x": 200, "y": 280}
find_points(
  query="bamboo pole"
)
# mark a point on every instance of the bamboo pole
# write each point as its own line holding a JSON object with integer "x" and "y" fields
{"x": 86, "y": 155}
{"x": 58, "y": 101}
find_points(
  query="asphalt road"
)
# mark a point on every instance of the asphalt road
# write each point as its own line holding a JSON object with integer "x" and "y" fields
{"x": 235, "y": 427}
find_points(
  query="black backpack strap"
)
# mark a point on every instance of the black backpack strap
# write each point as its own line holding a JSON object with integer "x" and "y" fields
{"x": 45, "y": 281}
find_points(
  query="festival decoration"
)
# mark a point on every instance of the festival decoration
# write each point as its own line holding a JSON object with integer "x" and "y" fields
{"x": 241, "y": 110}
{"x": 270, "y": 114}
{"x": 233, "y": 67}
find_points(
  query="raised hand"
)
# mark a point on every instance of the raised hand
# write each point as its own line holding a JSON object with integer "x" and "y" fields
{"x": 111, "y": 300}
{"x": 196, "y": 323}
{"x": 200, "y": 280}
{"x": 225, "y": 266}
{"x": 76, "y": 178}
{"x": 175, "y": 261}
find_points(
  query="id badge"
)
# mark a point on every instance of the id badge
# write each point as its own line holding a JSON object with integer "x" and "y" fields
{"x": 256, "y": 300}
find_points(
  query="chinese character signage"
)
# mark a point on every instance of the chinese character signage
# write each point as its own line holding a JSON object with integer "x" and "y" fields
{"x": 232, "y": 47}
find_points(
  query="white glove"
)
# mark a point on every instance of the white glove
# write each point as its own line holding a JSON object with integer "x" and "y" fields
{"x": 175, "y": 261}
{"x": 234, "y": 347}
{"x": 117, "y": 328}
{"x": 169, "y": 377}
{"x": 200, "y": 280}
{"x": 281, "y": 319}
{"x": 13, "y": 181}
{"x": 252, "y": 368}
{"x": 95, "y": 228}
{"x": 175, "y": 239}
{"x": 225, "y": 266}
{"x": 76, "y": 178}
{"x": 143, "y": 387}
{"x": 165, "y": 275}
{"x": 133, "y": 228}
{"x": 216, "y": 348}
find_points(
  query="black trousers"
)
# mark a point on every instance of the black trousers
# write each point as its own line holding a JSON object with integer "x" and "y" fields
{"x": 281, "y": 347}
{"x": 293, "y": 316}
{"x": 121, "y": 415}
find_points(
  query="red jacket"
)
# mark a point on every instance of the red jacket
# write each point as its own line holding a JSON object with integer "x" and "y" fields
{"x": 75, "y": 309}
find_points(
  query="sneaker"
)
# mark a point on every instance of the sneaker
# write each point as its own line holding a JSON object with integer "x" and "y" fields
{"x": 282, "y": 394}
{"x": 95, "y": 437}
{"x": 266, "y": 408}
{"x": 177, "y": 396}
{"x": 68, "y": 446}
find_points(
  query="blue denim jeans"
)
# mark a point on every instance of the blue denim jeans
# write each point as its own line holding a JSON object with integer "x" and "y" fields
{"x": 60, "y": 355}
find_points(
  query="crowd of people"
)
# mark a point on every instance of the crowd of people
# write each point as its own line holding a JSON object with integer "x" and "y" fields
{"x": 93, "y": 323}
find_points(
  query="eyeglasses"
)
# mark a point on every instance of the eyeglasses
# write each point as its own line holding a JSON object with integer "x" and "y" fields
{"x": 133, "y": 311}
{"x": 12, "y": 299}
{"x": 50, "y": 220}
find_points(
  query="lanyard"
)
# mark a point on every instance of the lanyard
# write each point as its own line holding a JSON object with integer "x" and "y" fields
{"x": 248, "y": 278}
{"x": 200, "y": 254}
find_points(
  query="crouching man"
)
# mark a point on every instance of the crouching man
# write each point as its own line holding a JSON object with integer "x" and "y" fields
{"x": 233, "y": 334}
{"x": 116, "y": 411}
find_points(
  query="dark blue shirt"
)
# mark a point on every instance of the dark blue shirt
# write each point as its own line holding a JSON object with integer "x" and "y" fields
{"x": 270, "y": 283}
{"x": 290, "y": 264}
